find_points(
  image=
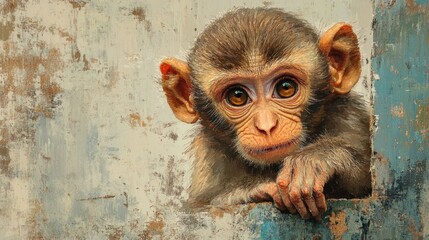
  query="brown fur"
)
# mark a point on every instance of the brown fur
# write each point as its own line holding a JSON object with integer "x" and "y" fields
{"x": 333, "y": 154}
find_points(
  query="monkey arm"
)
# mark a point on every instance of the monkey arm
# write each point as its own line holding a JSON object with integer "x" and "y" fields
{"x": 218, "y": 179}
{"x": 302, "y": 179}
{"x": 260, "y": 193}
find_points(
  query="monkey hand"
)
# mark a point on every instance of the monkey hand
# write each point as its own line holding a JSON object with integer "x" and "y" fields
{"x": 300, "y": 184}
{"x": 267, "y": 192}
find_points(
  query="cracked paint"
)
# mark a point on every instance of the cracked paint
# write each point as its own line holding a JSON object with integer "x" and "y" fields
{"x": 88, "y": 149}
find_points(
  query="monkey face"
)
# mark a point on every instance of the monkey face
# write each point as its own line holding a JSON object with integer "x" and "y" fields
{"x": 263, "y": 84}
{"x": 265, "y": 110}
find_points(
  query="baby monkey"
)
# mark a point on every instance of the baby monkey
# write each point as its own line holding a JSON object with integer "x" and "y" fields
{"x": 277, "y": 121}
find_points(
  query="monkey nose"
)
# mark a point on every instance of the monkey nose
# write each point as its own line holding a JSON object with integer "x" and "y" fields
{"x": 266, "y": 121}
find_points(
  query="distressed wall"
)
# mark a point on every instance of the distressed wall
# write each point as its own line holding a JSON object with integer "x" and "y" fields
{"x": 90, "y": 149}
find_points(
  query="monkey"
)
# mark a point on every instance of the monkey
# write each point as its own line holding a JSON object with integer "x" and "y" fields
{"x": 276, "y": 118}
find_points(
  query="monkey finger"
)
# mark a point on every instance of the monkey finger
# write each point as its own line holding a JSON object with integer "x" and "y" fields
{"x": 296, "y": 199}
{"x": 295, "y": 191}
{"x": 318, "y": 193}
{"x": 287, "y": 203}
{"x": 320, "y": 202}
{"x": 311, "y": 205}
{"x": 283, "y": 182}
{"x": 307, "y": 194}
{"x": 278, "y": 203}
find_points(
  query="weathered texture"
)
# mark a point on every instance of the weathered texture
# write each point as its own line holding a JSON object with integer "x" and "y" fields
{"x": 90, "y": 150}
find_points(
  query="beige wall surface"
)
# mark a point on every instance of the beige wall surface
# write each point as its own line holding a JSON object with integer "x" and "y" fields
{"x": 88, "y": 145}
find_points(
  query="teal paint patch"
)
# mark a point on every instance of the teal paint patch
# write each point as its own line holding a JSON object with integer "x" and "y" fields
{"x": 266, "y": 222}
{"x": 400, "y": 41}
{"x": 422, "y": 2}
{"x": 269, "y": 223}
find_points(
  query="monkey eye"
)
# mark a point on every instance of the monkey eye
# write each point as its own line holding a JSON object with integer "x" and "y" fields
{"x": 237, "y": 96}
{"x": 286, "y": 87}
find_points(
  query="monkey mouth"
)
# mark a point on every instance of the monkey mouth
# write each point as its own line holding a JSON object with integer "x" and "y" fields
{"x": 270, "y": 149}
{"x": 272, "y": 153}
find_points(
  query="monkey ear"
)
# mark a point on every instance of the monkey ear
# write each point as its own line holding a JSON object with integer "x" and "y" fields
{"x": 340, "y": 46}
{"x": 177, "y": 87}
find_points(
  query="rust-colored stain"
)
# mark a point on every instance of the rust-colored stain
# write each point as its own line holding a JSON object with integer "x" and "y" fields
{"x": 116, "y": 233}
{"x": 30, "y": 25}
{"x": 140, "y": 14}
{"x": 79, "y": 4}
{"x": 154, "y": 227}
{"x": 6, "y": 30}
{"x": 62, "y": 33}
{"x": 414, "y": 231}
{"x": 28, "y": 89}
{"x": 4, "y": 159}
{"x": 37, "y": 216}
{"x": 397, "y": 111}
{"x": 136, "y": 121}
{"x": 413, "y": 7}
{"x": 338, "y": 224}
{"x": 10, "y": 6}
{"x": 422, "y": 119}
{"x": 31, "y": 64}
{"x": 219, "y": 212}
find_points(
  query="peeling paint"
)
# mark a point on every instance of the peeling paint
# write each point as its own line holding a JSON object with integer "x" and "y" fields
{"x": 6, "y": 29}
{"x": 414, "y": 7}
{"x": 136, "y": 121}
{"x": 154, "y": 227}
{"x": 116, "y": 234}
{"x": 10, "y": 6}
{"x": 86, "y": 143}
{"x": 397, "y": 111}
{"x": 78, "y": 4}
{"x": 422, "y": 120}
{"x": 37, "y": 213}
{"x": 5, "y": 160}
{"x": 140, "y": 14}
{"x": 338, "y": 224}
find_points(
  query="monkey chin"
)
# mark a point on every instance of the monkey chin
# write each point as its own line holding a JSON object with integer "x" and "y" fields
{"x": 268, "y": 155}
